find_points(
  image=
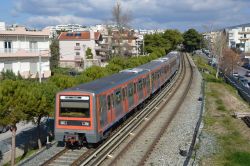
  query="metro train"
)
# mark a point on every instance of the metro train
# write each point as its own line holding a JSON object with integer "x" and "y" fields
{"x": 88, "y": 112}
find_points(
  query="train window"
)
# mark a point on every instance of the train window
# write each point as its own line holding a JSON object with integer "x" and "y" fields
{"x": 140, "y": 85}
{"x": 109, "y": 102}
{"x": 118, "y": 97}
{"x": 103, "y": 105}
{"x": 134, "y": 87}
{"x": 74, "y": 106}
{"x": 130, "y": 89}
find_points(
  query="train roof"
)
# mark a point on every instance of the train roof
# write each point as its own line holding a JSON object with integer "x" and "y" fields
{"x": 150, "y": 66}
{"x": 157, "y": 62}
{"x": 105, "y": 83}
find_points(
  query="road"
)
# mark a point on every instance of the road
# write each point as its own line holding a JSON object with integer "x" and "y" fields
{"x": 242, "y": 71}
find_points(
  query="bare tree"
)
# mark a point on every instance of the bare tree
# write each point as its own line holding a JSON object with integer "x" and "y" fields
{"x": 230, "y": 60}
{"x": 121, "y": 20}
{"x": 218, "y": 45}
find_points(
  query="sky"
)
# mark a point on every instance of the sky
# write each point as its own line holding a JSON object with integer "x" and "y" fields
{"x": 202, "y": 15}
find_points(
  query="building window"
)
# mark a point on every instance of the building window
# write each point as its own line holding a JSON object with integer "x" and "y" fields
{"x": 77, "y": 53}
{"x": 7, "y": 46}
{"x": 69, "y": 34}
{"x": 77, "y": 44}
{"x": 33, "y": 46}
{"x": 78, "y": 34}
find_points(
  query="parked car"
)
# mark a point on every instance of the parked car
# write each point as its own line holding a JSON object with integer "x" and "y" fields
{"x": 244, "y": 82}
{"x": 247, "y": 66}
{"x": 4, "y": 129}
{"x": 247, "y": 74}
{"x": 235, "y": 74}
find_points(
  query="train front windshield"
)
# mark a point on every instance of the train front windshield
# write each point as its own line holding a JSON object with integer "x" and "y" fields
{"x": 74, "y": 106}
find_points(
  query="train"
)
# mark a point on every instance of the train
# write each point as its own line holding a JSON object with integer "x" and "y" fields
{"x": 87, "y": 113}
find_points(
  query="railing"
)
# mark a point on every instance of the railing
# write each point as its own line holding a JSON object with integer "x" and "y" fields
{"x": 23, "y": 52}
{"x": 78, "y": 58}
{"x": 14, "y": 50}
{"x": 243, "y": 91}
{"x": 77, "y": 48}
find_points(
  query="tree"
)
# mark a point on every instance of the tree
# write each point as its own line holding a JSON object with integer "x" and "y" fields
{"x": 95, "y": 72}
{"x": 229, "y": 60}
{"x": 154, "y": 42}
{"x": 121, "y": 19}
{"x": 13, "y": 104}
{"x": 192, "y": 40}
{"x": 174, "y": 37}
{"x": 89, "y": 54}
{"x": 55, "y": 54}
{"x": 9, "y": 74}
{"x": 217, "y": 49}
{"x": 41, "y": 104}
{"x": 63, "y": 81}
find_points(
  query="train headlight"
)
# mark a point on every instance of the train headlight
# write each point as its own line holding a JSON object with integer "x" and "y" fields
{"x": 63, "y": 122}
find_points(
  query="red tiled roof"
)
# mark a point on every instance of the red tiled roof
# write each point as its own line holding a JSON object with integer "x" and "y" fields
{"x": 78, "y": 35}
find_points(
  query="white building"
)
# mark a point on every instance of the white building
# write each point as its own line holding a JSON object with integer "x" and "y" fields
{"x": 20, "y": 50}
{"x": 2, "y": 26}
{"x": 73, "y": 46}
{"x": 240, "y": 38}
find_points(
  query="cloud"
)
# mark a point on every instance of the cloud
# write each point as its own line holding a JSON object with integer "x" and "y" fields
{"x": 146, "y": 13}
{"x": 55, "y": 20}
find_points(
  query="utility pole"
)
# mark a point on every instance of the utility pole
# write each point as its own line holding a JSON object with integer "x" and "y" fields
{"x": 143, "y": 45}
{"x": 40, "y": 67}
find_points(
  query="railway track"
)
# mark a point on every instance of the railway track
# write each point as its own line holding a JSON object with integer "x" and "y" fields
{"x": 97, "y": 156}
{"x": 67, "y": 157}
{"x": 176, "y": 109}
{"x": 164, "y": 101}
{"x": 105, "y": 150}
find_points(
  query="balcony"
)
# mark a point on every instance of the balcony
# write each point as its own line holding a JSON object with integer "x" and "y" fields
{"x": 98, "y": 47}
{"x": 14, "y": 52}
{"x": 78, "y": 58}
{"x": 244, "y": 32}
{"x": 77, "y": 48}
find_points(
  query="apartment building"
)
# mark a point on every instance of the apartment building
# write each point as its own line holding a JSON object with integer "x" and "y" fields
{"x": 73, "y": 47}
{"x": 25, "y": 52}
{"x": 239, "y": 37}
{"x": 115, "y": 42}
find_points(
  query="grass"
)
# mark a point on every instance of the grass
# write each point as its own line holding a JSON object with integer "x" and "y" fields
{"x": 24, "y": 156}
{"x": 230, "y": 133}
{"x": 238, "y": 159}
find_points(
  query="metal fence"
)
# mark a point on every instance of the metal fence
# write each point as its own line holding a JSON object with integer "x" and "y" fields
{"x": 242, "y": 90}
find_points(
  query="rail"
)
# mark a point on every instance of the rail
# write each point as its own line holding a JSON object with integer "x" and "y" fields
{"x": 105, "y": 150}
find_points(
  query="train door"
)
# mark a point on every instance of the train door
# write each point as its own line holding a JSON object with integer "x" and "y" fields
{"x": 135, "y": 94}
{"x": 148, "y": 85}
{"x": 103, "y": 111}
{"x": 156, "y": 80}
{"x": 145, "y": 93}
{"x": 125, "y": 99}
{"x": 130, "y": 96}
{"x": 118, "y": 103}
{"x": 140, "y": 90}
{"x": 110, "y": 111}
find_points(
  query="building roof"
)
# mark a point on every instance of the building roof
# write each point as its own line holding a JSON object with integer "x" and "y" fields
{"x": 23, "y": 31}
{"x": 78, "y": 35}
